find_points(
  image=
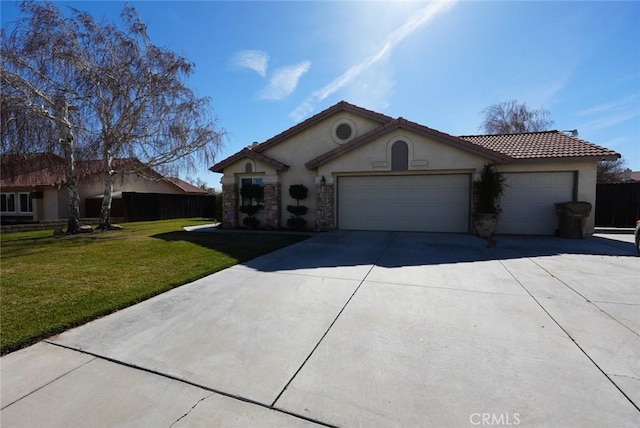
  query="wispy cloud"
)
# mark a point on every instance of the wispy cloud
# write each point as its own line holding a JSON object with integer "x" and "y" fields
{"x": 609, "y": 114}
{"x": 255, "y": 60}
{"x": 284, "y": 81}
{"x": 390, "y": 42}
{"x": 609, "y": 107}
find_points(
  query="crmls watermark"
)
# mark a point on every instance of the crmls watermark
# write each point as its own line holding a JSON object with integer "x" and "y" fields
{"x": 495, "y": 419}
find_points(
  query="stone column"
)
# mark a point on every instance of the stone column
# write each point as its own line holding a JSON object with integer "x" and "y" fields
{"x": 229, "y": 206}
{"x": 272, "y": 204}
{"x": 325, "y": 212}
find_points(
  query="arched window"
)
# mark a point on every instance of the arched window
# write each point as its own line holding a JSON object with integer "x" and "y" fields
{"x": 399, "y": 156}
{"x": 248, "y": 167}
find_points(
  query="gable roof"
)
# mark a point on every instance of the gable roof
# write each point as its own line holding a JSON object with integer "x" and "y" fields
{"x": 541, "y": 145}
{"x": 186, "y": 186}
{"x": 341, "y": 106}
{"x": 48, "y": 170}
{"x": 499, "y": 148}
{"x": 31, "y": 170}
{"x": 401, "y": 123}
{"x": 251, "y": 153}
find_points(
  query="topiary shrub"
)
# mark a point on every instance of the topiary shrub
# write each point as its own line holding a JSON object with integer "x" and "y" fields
{"x": 251, "y": 192}
{"x": 297, "y": 192}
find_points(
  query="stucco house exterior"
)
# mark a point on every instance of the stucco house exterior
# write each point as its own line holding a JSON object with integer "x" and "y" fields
{"x": 368, "y": 171}
{"x": 32, "y": 186}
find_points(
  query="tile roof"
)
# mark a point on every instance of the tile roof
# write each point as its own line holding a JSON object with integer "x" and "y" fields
{"x": 48, "y": 170}
{"x": 186, "y": 187}
{"x": 500, "y": 147}
{"x": 540, "y": 145}
{"x": 249, "y": 152}
{"x": 413, "y": 126}
{"x": 31, "y": 170}
{"x": 340, "y": 106}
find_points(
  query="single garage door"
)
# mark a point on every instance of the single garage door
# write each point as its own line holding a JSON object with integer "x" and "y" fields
{"x": 426, "y": 203}
{"x": 528, "y": 202}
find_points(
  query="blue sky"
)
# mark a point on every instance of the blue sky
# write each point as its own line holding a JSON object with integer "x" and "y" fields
{"x": 269, "y": 65}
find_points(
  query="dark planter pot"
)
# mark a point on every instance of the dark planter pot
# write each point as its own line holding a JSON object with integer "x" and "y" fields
{"x": 485, "y": 224}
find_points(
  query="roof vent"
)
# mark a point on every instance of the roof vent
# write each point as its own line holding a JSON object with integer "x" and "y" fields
{"x": 343, "y": 130}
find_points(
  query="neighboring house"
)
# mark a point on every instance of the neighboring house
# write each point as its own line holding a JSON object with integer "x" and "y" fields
{"x": 628, "y": 175}
{"x": 368, "y": 171}
{"x": 32, "y": 186}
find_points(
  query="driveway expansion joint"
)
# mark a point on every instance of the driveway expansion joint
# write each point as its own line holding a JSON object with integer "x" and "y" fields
{"x": 569, "y": 335}
{"x": 51, "y": 381}
{"x": 362, "y": 281}
{"x": 177, "y": 379}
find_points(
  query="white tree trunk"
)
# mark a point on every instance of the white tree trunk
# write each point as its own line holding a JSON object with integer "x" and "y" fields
{"x": 107, "y": 197}
{"x": 67, "y": 142}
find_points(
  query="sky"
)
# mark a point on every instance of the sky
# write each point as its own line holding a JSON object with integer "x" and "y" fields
{"x": 267, "y": 65}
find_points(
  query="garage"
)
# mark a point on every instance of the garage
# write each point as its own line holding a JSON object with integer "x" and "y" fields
{"x": 425, "y": 203}
{"x": 528, "y": 202}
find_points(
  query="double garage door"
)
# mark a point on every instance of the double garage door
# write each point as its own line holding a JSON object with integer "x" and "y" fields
{"x": 425, "y": 203}
{"x": 442, "y": 203}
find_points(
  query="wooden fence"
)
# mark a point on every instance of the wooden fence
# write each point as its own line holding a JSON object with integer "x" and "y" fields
{"x": 617, "y": 204}
{"x": 159, "y": 206}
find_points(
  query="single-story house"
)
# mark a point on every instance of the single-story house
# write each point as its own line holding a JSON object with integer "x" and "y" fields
{"x": 32, "y": 186}
{"x": 368, "y": 171}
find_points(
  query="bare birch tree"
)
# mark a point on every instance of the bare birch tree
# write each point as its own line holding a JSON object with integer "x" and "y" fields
{"x": 141, "y": 105}
{"x": 35, "y": 75}
{"x": 510, "y": 117}
{"x": 131, "y": 96}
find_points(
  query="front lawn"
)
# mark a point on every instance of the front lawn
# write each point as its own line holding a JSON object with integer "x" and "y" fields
{"x": 50, "y": 284}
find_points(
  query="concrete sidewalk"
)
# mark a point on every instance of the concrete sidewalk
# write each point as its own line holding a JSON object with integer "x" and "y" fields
{"x": 359, "y": 329}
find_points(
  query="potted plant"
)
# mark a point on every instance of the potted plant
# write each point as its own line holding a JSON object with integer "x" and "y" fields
{"x": 487, "y": 193}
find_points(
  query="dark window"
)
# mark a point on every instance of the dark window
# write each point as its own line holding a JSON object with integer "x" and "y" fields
{"x": 253, "y": 180}
{"x": 8, "y": 203}
{"x": 248, "y": 167}
{"x": 399, "y": 156}
{"x": 26, "y": 204}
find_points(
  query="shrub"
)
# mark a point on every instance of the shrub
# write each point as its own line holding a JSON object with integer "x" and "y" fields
{"x": 297, "y": 192}
{"x": 296, "y": 223}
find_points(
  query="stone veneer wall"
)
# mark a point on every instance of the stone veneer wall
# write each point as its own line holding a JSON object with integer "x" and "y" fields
{"x": 271, "y": 206}
{"x": 229, "y": 206}
{"x": 325, "y": 219}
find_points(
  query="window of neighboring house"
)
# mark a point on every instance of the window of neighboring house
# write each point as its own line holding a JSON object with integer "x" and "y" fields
{"x": 399, "y": 156}
{"x": 8, "y": 202}
{"x": 26, "y": 203}
{"x": 252, "y": 180}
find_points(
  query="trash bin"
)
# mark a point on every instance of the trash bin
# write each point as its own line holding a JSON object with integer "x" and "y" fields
{"x": 572, "y": 217}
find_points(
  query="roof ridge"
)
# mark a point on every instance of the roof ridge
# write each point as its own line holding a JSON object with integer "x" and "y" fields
{"x": 510, "y": 133}
{"x": 341, "y": 105}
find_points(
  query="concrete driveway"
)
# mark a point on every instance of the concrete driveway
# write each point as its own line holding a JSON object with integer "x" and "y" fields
{"x": 359, "y": 329}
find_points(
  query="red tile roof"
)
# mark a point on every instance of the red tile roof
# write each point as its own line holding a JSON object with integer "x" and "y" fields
{"x": 500, "y": 148}
{"x": 249, "y": 152}
{"x": 341, "y": 106}
{"x": 31, "y": 170}
{"x": 415, "y": 127}
{"x": 186, "y": 187}
{"x": 541, "y": 145}
{"x": 48, "y": 170}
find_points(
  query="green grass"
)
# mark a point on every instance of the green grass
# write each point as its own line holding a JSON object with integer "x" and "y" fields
{"x": 50, "y": 284}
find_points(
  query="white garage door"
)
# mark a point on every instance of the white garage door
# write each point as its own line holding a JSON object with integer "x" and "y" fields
{"x": 528, "y": 202}
{"x": 427, "y": 203}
